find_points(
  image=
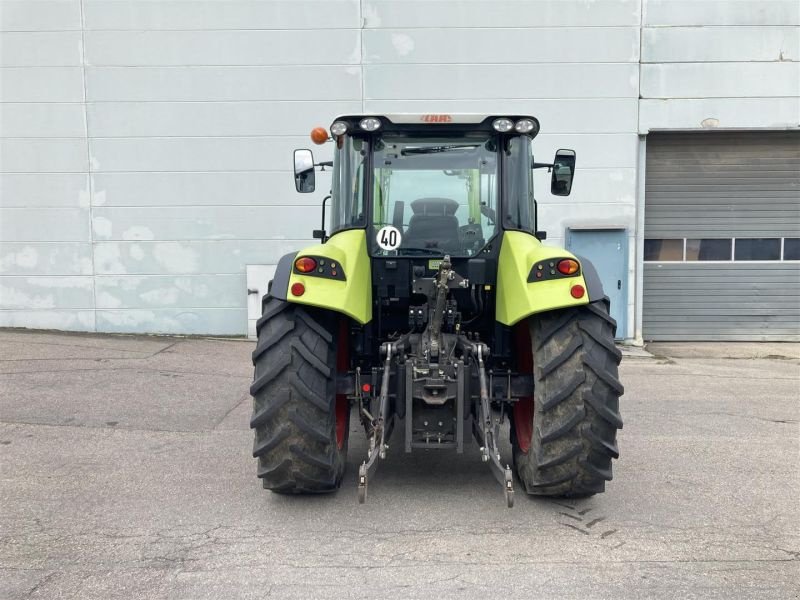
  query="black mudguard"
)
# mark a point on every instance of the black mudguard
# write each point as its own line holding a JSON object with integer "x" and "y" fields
{"x": 280, "y": 281}
{"x": 592, "y": 279}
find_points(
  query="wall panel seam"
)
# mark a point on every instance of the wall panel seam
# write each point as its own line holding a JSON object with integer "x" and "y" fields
{"x": 88, "y": 160}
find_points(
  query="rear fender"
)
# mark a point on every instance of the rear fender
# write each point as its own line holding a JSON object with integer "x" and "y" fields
{"x": 517, "y": 298}
{"x": 349, "y": 291}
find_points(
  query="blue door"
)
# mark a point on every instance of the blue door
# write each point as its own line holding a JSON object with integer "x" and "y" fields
{"x": 607, "y": 249}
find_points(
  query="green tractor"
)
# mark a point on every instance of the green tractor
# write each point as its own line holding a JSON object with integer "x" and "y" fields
{"x": 432, "y": 308}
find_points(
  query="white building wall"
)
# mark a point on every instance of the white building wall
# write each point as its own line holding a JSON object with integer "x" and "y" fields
{"x": 146, "y": 153}
{"x": 720, "y": 64}
{"x": 46, "y": 274}
{"x": 146, "y": 146}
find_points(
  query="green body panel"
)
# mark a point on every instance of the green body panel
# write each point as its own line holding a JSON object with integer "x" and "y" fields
{"x": 353, "y": 296}
{"x": 516, "y": 298}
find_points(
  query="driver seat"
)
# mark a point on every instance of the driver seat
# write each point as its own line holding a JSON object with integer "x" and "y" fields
{"x": 433, "y": 224}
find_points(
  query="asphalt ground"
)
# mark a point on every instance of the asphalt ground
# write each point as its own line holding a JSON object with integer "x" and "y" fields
{"x": 126, "y": 472}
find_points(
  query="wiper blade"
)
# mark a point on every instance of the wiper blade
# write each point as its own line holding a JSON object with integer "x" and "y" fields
{"x": 437, "y": 149}
{"x": 436, "y": 251}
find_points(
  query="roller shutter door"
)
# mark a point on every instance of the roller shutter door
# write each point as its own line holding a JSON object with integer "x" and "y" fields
{"x": 722, "y": 236}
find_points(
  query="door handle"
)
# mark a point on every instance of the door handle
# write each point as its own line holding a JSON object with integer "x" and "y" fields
{"x": 619, "y": 284}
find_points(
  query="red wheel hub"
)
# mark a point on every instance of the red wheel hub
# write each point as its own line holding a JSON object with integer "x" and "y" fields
{"x": 342, "y": 366}
{"x": 523, "y": 408}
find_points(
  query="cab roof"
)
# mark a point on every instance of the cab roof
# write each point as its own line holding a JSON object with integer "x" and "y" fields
{"x": 446, "y": 121}
{"x": 432, "y": 118}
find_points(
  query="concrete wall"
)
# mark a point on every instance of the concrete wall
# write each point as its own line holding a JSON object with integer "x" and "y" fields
{"x": 146, "y": 146}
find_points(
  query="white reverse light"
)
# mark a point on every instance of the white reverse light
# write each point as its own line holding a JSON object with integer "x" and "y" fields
{"x": 503, "y": 125}
{"x": 338, "y": 128}
{"x": 370, "y": 124}
{"x": 525, "y": 126}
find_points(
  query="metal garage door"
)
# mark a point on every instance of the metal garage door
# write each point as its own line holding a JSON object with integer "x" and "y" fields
{"x": 722, "y": 236}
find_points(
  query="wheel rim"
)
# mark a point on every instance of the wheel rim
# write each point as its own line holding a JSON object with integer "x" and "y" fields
{"x": 523, "y": 408}
{"x": 342, "y": 407}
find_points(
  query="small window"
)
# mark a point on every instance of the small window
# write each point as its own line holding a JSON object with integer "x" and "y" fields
{"x": 757, "y": 249}
{"x": 655, "y": 250}
{"x": 708, "y": 249}
{"x": 791, "y": 248}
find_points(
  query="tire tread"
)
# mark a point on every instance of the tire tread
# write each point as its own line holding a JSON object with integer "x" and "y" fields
{"x": 294, "y": 400}
{"x": 576, "y": 403}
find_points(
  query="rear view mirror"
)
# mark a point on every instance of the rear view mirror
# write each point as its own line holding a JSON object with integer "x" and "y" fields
{"x": 563, "y": 172}
{"x": 304, "y": 176}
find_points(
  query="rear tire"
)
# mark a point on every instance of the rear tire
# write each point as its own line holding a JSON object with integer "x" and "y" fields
{"x": 575, "y": 412}
{"x": 295, "y": 402}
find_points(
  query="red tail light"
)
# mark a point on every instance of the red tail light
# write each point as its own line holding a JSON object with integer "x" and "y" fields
{"x": 568, "y": 266}
{"x": 298, "y": 289}
{"x": 577, "y": 291}
{"x": 305, "y": 264}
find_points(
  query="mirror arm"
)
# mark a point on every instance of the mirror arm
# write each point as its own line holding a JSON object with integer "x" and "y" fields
{"x": 538, "y": 165}
{"x": 321, "y": 234}
{"x": 323, "y": 164}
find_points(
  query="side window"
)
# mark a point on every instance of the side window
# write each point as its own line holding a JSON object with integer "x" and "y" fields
{"x": 355, "y": 211}
{"x": 488, "y": 204}
{"x": 757, "y": 249}
{"x": 663, "y": 249}
{"x": 791, "y": 249}
{"x": 708, "y": 249}
{"x": 347, "y": 190}
{"x": 518, "y": 180}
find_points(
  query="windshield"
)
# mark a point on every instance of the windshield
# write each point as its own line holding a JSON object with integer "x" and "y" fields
{"x": 434, "y": 195}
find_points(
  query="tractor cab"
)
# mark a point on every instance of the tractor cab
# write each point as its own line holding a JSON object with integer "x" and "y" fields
{"x": 433, "y": 184}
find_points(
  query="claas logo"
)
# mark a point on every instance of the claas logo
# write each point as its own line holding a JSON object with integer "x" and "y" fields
{"x": 436, "y": 118}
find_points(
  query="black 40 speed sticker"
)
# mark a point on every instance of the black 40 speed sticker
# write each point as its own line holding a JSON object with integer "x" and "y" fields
{"x": 389, "y": 238}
